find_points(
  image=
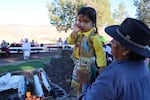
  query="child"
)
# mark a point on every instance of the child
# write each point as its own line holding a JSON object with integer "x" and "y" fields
{"x": 87, "y": 46}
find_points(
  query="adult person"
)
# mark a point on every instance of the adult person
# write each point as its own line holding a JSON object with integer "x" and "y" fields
{"x": 32, "y": 43}
{"x": 66, "y": 46}
{"x": 59, "y": 43}
{"x": 128, "y": 77}
{"x": 4, "y": 48}
{"x": 26, "y": 49}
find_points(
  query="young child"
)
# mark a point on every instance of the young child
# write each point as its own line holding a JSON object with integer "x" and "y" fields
{"x": 87, "y": 46}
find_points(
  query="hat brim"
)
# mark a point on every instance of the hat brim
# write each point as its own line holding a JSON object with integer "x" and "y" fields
{"x": 111, "y": 30}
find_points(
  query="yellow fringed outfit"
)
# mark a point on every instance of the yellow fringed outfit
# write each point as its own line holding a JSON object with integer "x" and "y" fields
{"x": 87, "y": 50}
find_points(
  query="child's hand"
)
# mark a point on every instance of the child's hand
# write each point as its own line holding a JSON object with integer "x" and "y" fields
{"x": 76, "y": 28}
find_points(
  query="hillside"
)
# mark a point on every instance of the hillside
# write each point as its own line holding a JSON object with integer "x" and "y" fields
{"x": 40, "y": 34}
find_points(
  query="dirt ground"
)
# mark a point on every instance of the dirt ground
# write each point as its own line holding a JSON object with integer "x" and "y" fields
{"x": 60, "y": 69}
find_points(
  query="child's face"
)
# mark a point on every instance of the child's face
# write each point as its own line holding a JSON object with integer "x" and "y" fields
{"x": 84, "y": 23}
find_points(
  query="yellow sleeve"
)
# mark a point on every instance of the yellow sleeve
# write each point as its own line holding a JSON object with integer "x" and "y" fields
{"x": 99, "y": 52}
{"x": 71, "y": 40}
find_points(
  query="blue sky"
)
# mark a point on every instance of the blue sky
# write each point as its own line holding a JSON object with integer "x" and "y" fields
{"x": 129, "y": 5}
{"x": 35, "y": 12}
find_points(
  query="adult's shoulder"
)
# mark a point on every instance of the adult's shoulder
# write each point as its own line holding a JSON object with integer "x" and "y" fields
{"x": 116, "y": 69}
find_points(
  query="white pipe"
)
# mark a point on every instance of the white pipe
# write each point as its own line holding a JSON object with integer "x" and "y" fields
{"x": 21, "y": 86}
{"x": 38, "y": 86}
{"x": 45, "y": 81}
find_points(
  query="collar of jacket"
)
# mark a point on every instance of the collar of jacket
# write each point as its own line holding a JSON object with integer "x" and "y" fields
{"x": 86, "y": 33}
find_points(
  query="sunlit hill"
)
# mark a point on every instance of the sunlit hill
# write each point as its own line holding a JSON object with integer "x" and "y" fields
{"x": 40, "y": 34}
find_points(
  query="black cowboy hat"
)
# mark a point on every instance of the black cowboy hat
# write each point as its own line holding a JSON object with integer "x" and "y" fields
{"x": 133, "y": 34}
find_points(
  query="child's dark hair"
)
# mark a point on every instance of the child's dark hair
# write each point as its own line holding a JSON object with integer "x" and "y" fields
{"x": 90, "y": 13}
